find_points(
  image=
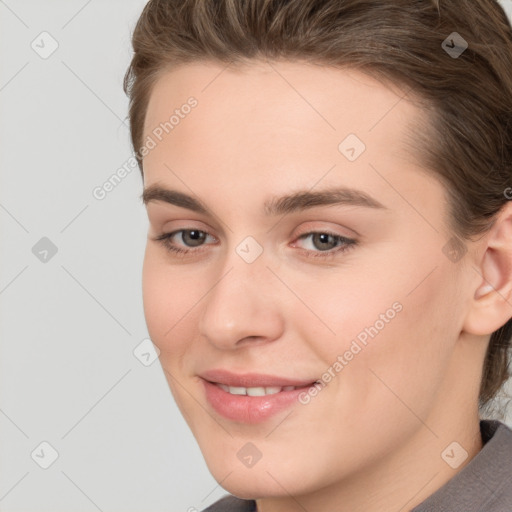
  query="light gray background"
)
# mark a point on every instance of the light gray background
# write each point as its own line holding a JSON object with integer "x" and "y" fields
{"x": 69, "y": 325}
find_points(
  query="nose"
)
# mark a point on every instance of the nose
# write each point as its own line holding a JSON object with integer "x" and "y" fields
{"x": 242, "y": 306}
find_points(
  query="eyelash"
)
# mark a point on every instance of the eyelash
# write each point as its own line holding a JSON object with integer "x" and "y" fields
{"x": 349, "y": 243}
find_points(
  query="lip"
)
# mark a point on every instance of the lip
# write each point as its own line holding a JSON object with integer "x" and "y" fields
{"x": 245, "y": 408}
{"x": 252, "y": 380}
{"x": 249, "y": 409}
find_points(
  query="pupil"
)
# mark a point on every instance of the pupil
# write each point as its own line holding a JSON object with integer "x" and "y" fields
{"x": 195, "y": 236}
{"x": 324, "y": 239}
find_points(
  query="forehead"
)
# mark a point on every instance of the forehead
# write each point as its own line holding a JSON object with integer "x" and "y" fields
{"x": 268, "y": 121}
{"x": 264, "y": 98}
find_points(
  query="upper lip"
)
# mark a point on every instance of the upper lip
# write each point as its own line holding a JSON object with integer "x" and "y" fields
{"x": 248, "y": 380}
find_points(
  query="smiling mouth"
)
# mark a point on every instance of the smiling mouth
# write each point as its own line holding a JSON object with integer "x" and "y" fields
{"x": 251, "y": 398}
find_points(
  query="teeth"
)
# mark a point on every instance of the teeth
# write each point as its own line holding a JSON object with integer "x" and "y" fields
{"x": 257, "y": 391}
{"x": 271, "y": 390}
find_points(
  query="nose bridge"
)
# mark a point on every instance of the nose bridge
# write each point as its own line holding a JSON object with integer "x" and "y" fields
{"x": 239, "y": 304}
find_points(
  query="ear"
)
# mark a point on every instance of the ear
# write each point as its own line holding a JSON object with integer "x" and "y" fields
{"x": 491, "y": 306}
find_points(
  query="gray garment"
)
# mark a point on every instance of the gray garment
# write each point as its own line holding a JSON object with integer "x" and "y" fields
{"x": 484, "y": 485}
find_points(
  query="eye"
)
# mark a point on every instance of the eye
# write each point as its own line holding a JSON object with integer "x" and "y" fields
{"x": 326, "y": 244}
{"x": 323, "y": 244}
{"x": 194, "y": 237}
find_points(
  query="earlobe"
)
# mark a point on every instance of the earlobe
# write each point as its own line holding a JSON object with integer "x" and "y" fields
{"x": 491, "y": 306}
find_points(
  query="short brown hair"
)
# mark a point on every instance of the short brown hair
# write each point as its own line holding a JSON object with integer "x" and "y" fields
{"x": 468, "y": 97}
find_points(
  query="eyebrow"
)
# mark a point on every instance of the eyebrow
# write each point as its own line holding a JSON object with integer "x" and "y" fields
{"x": 297, "y": 201}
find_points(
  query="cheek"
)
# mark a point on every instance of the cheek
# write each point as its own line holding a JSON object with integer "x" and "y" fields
{"x": 407, "y": 360}
{"x": 165, "y": 298}
{"x": 168, "y": 310}
{"x": 396, "y": 331}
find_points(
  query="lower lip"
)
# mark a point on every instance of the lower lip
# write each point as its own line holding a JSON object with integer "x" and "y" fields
{"x": 250, "y": 409}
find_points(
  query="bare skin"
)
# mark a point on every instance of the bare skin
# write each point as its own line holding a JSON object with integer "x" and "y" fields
{"x": 373, "y": 438}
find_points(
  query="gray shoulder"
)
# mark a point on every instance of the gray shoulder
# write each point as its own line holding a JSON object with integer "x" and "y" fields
{"x": 231, "y": 503}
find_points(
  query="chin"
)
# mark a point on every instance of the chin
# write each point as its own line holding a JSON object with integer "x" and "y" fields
{"x": 252, "y": 488}
{"x": 263, "y": 480}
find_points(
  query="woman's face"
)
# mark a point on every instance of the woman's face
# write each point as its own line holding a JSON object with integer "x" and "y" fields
{"x": 358, "y": 292}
